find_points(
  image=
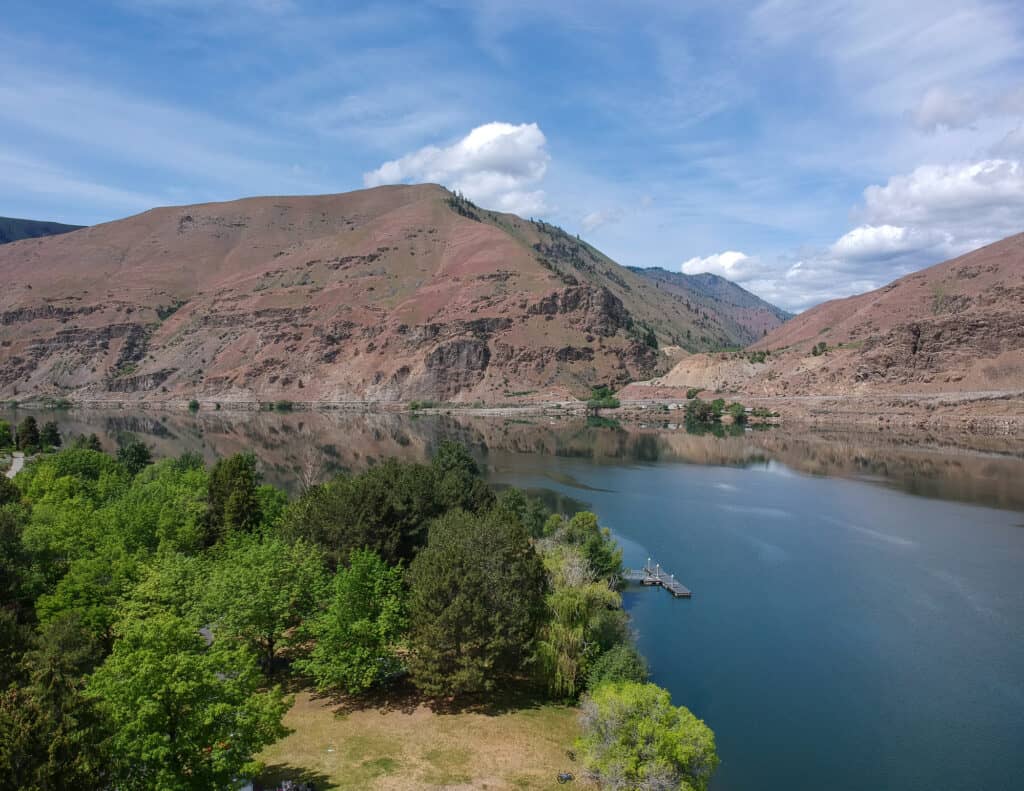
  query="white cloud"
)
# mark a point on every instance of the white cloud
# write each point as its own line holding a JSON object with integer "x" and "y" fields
{"x": 883, "y": 242}
{"x": 496, "y": 165}
{"x": 986, "y": 195}
{"x": 596, "y": 219}
{"x": 940, "y": 107}
{"x": 730, "y": 264}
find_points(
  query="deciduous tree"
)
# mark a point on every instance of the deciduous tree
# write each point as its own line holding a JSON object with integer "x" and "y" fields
{"x": 184, "y": 715}
{"x": 634, "y": 739}
{"x": 356, "y": 635}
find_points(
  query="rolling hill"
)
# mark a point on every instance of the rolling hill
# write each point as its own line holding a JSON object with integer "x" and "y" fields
{"x": 390, "y": 294}
{"x": 11, "y": 229}
{"x": 956, "y": 327}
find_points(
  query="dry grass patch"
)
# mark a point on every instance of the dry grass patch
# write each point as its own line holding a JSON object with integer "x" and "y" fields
{"x": 408, "y": 746}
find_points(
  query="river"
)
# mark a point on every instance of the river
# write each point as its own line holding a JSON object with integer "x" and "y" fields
{"x": 858, "y": 611}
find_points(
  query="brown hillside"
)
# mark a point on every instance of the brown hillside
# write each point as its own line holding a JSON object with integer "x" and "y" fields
{"x": 955, "y": 327}
{"x": 392, "y": 293}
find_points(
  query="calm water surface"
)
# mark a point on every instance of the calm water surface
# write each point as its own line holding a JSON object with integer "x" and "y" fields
{"x": 846, "y": 632}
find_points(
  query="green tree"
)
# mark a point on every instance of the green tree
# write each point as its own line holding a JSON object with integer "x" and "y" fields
{"x": 385, "y": 509}
{"x": 634, "y": 738}
{"x": 49, "y": 437}
{"x": 135, "y": 456}
{"x": 185, "y": 715}
{"x": 28, "y": 435}
{"x": 356, "y": 636}
{"x": 231, "y": 497}
{"x": 617, "y": 665}
{"x": 90, "y": 591}
{"x": 9, "y": 491}
{"x": 737, "y": 411}
{"x": 459, "y": 483}
{"x": 6, "y": 436}
{"x": 572, "y": 637}
{"x": 51, "y": 735}
{"x": 476, "y": 601}
{"x": 597, "y": 545}
{"x": 258, "y": 589}
{"x": 530, "y": 511}
{"x": 91, "y": 442}
{"x": 603, "y": 398}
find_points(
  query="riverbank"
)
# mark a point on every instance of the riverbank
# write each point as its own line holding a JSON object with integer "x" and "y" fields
{"x": 993, "y": 413}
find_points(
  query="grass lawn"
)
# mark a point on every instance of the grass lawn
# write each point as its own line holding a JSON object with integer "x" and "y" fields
{"x": 405, "y": 745}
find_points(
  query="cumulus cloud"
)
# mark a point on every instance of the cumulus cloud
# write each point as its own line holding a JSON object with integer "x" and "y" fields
{"x": 913, "y": 220}
{"x": 497, "y": 165}
{"x": 883, "y": 242}
{"x": 730, "y": 264}
{"x": 987, "y": 196}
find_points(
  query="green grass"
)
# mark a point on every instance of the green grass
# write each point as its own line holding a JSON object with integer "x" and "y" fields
{"x": 404, "y": 744}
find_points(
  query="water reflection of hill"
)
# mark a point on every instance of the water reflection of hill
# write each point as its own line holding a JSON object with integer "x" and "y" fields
{"x": 303, "y": 447}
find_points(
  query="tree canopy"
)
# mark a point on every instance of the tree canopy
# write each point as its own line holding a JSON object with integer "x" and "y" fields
{"x": 185, "y": 715}
{"x": 356, "y": 636}
{"x": 476, "y": 601}
{"x": 634, "y": 738}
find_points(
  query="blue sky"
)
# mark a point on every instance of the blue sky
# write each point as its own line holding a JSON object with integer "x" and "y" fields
{"x": 806, "y": 148}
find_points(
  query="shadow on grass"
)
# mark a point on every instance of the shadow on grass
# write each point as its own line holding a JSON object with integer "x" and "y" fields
{"x": 275, "y": 774}
{"x": 405, "y": 698}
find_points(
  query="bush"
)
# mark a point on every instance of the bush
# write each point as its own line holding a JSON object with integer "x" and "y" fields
{"x": 633, "y": 737}
{"x": 819, "y": 349}
{"x": 620, "y": 664}
{"x": 737, "y": 411}
{"x": 193, "y": 406}
{"x": 602, "y": 398}
{"x": 692, "y": 392}
{"x": 283, "y": 406}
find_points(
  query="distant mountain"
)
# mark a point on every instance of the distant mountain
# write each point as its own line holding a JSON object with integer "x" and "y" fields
{"x": 11, "y": 230}
{"x": 746, "y": 316}
{"x": 393, "y": 293}
{"x": 956, "y": 327}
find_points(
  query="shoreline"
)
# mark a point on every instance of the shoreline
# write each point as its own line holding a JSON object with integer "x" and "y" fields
{"x": 998, "y": 413}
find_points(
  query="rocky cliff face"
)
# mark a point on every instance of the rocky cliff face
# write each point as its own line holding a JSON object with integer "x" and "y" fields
{"x": 395, "y": 293}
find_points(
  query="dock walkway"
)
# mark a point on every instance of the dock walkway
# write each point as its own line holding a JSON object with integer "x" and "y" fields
{"x": 652, "y": 574}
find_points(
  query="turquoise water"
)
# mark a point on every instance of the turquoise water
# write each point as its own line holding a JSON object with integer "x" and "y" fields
{"x": 858, "y": 628}
{"x": 841, "y": 635}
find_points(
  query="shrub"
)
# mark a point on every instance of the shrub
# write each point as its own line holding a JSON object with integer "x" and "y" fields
{"x": 283, "y": 406}
{"x": 193, "y": 405}
{"x": 692, "y": 392}
{"x": 633, "y": 737}
{"x": 620, "y": 664}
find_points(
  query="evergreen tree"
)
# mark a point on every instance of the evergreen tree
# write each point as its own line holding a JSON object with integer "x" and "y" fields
{"x": 50, "y": 437}
{"x": 28, "y": 435}
{"x": 476, "y": 602}
{"x": 135, "y": 456}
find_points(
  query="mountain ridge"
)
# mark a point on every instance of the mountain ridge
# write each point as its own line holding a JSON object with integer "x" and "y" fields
{"x": 13, "y": 229}
{"x": 956, "y": 327}
{"x": 386, "y": 294}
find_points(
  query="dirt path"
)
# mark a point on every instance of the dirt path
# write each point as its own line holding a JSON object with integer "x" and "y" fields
{"x": 16, "y": 464}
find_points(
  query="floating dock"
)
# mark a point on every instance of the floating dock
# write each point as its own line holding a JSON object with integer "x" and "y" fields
{"x": 653, "y": 574}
